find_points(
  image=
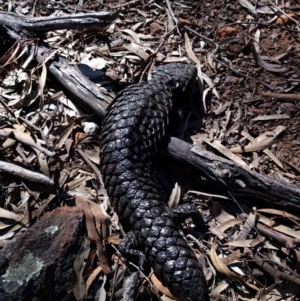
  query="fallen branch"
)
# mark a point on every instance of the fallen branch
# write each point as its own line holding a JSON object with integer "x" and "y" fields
{"x": 25, "y": 25}
{"x": 238, "y": 182}
{"x": 79, "y": 88}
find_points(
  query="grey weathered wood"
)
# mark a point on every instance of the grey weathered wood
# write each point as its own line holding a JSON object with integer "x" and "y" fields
{"x": 26, "y": 25}
{"x": 78, "y": 87}
{"x": 229, "y": 176}
{"x": 25, "y": 174}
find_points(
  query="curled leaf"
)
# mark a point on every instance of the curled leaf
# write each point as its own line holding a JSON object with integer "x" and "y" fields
{"x": 260, "y": 62}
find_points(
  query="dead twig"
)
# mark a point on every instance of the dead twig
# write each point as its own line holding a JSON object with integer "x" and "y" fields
{"x": 281, "y": 96}
{"x": 279, "y": 238}
{"x": 13, "y": 136}
{"x": 122, "y": 5}
{"x": 172, "y": 14}
{"x": 25, "y": 174}
{"x": 274, "y": 272}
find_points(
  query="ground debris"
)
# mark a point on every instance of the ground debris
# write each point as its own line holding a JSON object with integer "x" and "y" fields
{"x": 247, "y": 109}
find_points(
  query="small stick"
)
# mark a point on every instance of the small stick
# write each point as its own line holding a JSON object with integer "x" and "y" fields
{"x": 172, "y": 12}
{"x": 13, "y": 136}
{"x": 122, "y": 5}
{"x": 274, "y": 271}
{"x": 281, "y": 95}
{"x": 25, "y": 174}
{"x": 279, "y": 238}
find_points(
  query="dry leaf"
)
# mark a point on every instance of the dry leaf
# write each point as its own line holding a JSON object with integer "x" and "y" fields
{"x": 260, "y": 62}
{"x": 263, "y": 138}
{"x": 279, "y": 213}
{"x": 138, "y": 50}
{"x": 91, "y": 279}
{"x": 191, "y": 54}
{"x": 285, "y": 20}
{"x": 171, "y": 59}
{"x": 220, "y": 287}
{"x": 217, "y": 210}
{"x": 160, "y": 287}
{"x": 5, "y": 214}
{"x": 227, "y": 31}
{"x": 278, "y": 227}
{"x": 42, "y": 82}
{"x": 224, "y": 151}
{"x": 249, "y": 6}
{"x": 231, "y": 223}
{"x": 247, "y": 226}
{"x": 62, "y": 139}
{"x": 113, "y": 239}
{"x": 259, "y": 143}
{"x": 134, "y": 36}
{"x": 221, "y": 267}
{"x": 174, "y": 196}
{"x": 155, "y": 27}
{"x": 96, "y": 221}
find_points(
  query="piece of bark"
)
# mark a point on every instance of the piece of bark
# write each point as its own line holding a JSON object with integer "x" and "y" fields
{"x": 38, "y": 265}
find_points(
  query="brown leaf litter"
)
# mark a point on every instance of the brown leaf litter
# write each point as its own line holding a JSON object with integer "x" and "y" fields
{"x": 247, "y": 57}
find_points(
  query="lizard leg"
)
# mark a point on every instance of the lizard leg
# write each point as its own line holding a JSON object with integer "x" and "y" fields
{"x": 129, "y": 249}
{"x": 184, "y": 211}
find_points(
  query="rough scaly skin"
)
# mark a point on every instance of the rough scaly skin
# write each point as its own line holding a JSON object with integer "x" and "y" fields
{"x": 135, "y": 123}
